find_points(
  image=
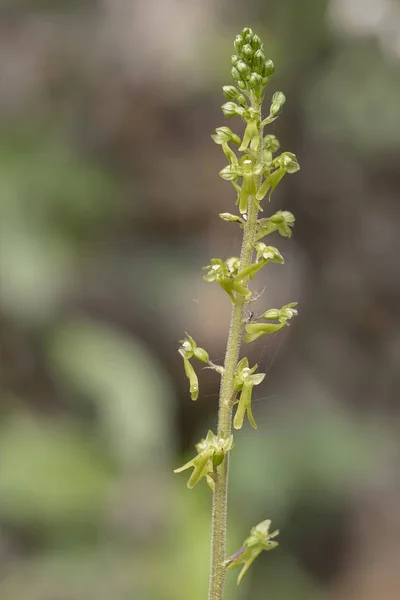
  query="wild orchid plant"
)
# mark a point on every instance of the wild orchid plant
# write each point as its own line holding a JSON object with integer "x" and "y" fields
{"x": 254, "y": 174}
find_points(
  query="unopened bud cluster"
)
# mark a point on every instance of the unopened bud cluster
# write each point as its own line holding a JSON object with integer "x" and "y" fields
{"x": 250, "y": 69}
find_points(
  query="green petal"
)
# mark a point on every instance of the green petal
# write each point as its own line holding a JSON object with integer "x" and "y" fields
{"x": 239, "y": 415}
{"x": 247, "y": 565}
{"x": 256, "y": 330}
{"x": 185, "y": 466}
{"x": 191, "y": 375}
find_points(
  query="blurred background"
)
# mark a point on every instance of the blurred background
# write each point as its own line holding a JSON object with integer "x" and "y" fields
{"x": 109, "y": 200}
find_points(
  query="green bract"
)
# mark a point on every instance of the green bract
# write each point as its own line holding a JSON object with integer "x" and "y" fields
{"x": 254, "y": 171}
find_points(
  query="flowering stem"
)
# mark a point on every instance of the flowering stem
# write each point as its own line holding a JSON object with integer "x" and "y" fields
{"x": 220, "y": 494}
{"x": 259, "y": 173}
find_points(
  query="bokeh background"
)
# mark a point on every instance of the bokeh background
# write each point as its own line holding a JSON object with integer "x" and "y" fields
{"x": 109, "y": 194}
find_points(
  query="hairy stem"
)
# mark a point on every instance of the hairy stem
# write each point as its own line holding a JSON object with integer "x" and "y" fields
{"x": 220, "y": 494}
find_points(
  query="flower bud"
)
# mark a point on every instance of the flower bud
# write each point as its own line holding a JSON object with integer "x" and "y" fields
{"x": 235, "y": 74}
{"x": 225, "y": 134}
{"x": 255, "y": 81}
{"x": 243, "y": 69}
{"x": 234, "y": 59}
{"x": 271, "y": 143}
{"x": 256, "y": 42}
{"x": 278, "y": 100}
{"x": 238, "y": 43}
{"x": 241, "y": 84}
{"x": 272, "y": 313}
{"x": 268, "y": 69}
{"x": 230, "y": 218}
{"x": 258, "y": 62}
{"x": 201, "y": 355}
{"x": 246, "y": 31}
{"x": 232, "y": 93}
{"x": 247, "y": 34}
{"x": 247, "y": 52}
{"x": 230, "y": 109}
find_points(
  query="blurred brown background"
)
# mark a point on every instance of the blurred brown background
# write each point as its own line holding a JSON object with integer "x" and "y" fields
{"x": 109, "y": 194}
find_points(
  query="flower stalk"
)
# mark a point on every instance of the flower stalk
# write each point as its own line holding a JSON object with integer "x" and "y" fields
{"x": 254, "y": 174}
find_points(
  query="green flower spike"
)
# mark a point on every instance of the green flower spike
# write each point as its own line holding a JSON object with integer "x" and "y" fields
{"x": 258, "y": 540}
{"x": 245, "y": 380}
{"x": 187, "y": 350}
{"x": 283, "y": 315}
{"x": 210, "y": 454}
{"x": 225, "y": 273}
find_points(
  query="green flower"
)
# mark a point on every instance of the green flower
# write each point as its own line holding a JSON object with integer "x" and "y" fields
{"x": 283, "y": 315}
{"x": 187, "y": 350}
{"x": 268, "y": 253}
{"x": 259, "y": 539}
{"x": 224, "y": 273}
{"x": 248, "y": 171}
{"x": 285, "y": 163}
{"x": 210, "y": 454}
{"x": 223, "y": 136}
{"x": 245, "y": 380}
{"x": 281, "y": 221}
{"x": 271, "y": 145}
